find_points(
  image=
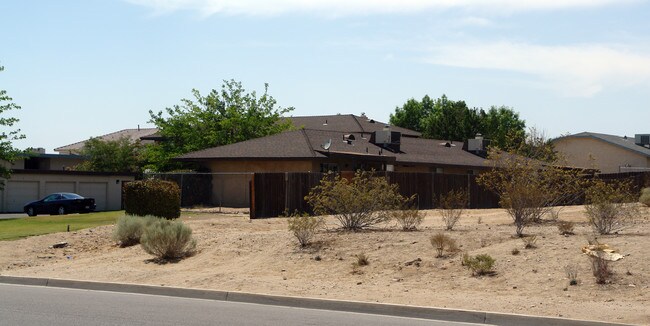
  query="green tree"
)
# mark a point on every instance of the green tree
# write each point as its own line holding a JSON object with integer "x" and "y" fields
{"x": 120, "y": 155}
{"x": 7, "y": 151}
{"x": 221, "y": 117}
{"x": 447, "y": 119}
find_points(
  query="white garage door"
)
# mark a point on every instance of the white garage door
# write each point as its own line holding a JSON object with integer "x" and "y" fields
{"x": 51, "y": 187}
{"x": 97, "y": 190}
{"x": 19, "y": 193}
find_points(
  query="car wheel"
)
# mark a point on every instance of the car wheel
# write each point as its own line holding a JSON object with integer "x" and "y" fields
{"x": 61, "y": 210}
{"x": 31, "y": 211}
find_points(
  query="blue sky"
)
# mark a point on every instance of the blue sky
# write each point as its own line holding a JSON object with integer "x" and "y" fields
{"x": 87, "y": 68}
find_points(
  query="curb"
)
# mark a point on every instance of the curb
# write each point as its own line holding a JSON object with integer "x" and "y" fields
{"x": 455, "y": 315}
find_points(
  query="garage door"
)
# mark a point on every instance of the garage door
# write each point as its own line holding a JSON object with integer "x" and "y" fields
{"x": 51, "y": 187}
{"x": 19, "y": 193}
{"x": 97, "y": 190}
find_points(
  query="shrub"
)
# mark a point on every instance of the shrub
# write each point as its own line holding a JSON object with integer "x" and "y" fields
{"x": 530, "y": 241}
{"x": 304, "y": 227}
{"x": 482, "y": 264}
{"x": 601, "y": 269}
{"x": 361, "y": 202}
{"x": 168, "y": 239}
{"x": 572, "y": 274}
{"x": 565, "y": 227}
{"x": 645, "y": 196}
{"x": 129, "y": 229}
{"x": 442, "y": 242}
{"x": 362, "y": 260}
{"x": 609, "y": 206}
{"x": 452, "y": 205}
{"x": 152, "y": 197}
{"x": 408, "y": 218}
{"x": 514, "y": 251}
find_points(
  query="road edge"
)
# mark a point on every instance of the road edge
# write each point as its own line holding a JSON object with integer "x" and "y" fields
{"x": 445, "y": 314}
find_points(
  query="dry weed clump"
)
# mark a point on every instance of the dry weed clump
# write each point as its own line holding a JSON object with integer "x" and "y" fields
{"x": 304, "y": 227}
{"x": 645, "y": 197}
{"x": 442, "y": 243}
{"x": 565, "y": 227}
{"x": 572, "y": 273}
{"x": 362, "y": 260}
{"x": 409, "y": 218}
{"x": 452, "y": 205}
{"x": 530, "y": 241}
{"x": 601, "y": 269}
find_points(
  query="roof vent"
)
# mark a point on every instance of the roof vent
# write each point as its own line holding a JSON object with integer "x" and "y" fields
{"x": 325, "y": 124}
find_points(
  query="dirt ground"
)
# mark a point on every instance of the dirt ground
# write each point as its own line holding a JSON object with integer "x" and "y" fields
{"x": 261, "y": 256}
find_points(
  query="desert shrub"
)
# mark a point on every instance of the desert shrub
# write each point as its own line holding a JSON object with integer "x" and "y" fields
{"x": 304, "y": 227}
{"x": 168, "y": 239}
{"x": 128, "y": 229}
{"x": 530, "y": 241}
{"x": 565, "y": 227}
{"x": 361, "y": 202}
{"x": 452, "y": 205}
{"x": 609, "y": 205}
{"x": 528, "y": 188}
{"x": 482, "y": 264}
{"x": 645, "y": 197}
{"x": 362, "y": 260}
{"x": 153, "y": 197}
{"x": 601, "y": 269}
{"x": 515, "y": 251}
{"x": 442, "y": 242}
{"x": 408, "y": 218}
{"x": 572, "y": 274}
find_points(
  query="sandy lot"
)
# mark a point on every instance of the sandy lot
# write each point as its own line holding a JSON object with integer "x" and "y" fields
{"x": 261, "y": 256}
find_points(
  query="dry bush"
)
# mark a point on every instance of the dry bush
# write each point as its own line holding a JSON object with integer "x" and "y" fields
{"x": 452, "y": 205}
{"x": 442, "y": 243}
{"x": 645, "y": 197}
{"x": 572, "y": 274}
{"x": 482, "y": 264}
{"x": 362, "y": 260}
{"x": 167, "y": 239}
{"x": 610, "y": 205}
{"x": 601, "y": 269}
{"x": 529, "y": 188}
{"x": 514, "y": 251}
{"x": 565, "y": 227}
{"x": 530, "y": 241}
{"x": 362, "y": 202}
{"x": 409, "y": 218}
{"x": 129, "y": 229}
{"x": 304, "y": 227}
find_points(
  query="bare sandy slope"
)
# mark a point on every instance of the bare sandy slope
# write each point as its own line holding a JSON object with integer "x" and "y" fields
{"x": 261, "y": 256}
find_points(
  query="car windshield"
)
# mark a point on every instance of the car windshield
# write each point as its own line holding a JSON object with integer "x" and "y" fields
{"x": 72, "y": 196}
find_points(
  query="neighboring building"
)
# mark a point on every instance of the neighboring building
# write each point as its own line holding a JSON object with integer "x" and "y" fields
{"x": 140, "y": 134}
{"x": 607, "y": 153}
{"x": 329, "y": 143}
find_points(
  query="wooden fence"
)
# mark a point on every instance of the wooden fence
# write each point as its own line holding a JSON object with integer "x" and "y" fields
{"x": 274, "y": 193}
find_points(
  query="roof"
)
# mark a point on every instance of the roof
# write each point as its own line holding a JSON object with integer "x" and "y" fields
{"x": 308, "y": 144}
{"x": 132, "y": 134}
{"x": 623, "y": 142}
{"x": 346, "y": 123}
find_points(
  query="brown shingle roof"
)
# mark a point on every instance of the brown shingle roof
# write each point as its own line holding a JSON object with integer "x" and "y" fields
{"x": 133, "y": 134}
{"x": 307, "y": 143}
{"x": 346, "y": 123}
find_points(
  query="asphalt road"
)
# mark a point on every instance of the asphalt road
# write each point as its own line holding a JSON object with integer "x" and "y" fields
{"x": 35, "y": 305}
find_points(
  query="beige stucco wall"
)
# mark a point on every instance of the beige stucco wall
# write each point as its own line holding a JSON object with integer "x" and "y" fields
{"x": 70, "y": 182}
{"x": 606, "y": 157}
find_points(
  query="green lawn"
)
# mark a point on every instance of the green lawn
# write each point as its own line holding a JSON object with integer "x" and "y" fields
{"x": 28, "y": 226}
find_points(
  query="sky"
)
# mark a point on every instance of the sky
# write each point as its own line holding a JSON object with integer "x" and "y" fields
{"x": 84, "y": 68}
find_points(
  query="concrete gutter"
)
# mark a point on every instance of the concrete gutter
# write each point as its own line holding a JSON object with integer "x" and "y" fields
{"x": 467, "y": 316}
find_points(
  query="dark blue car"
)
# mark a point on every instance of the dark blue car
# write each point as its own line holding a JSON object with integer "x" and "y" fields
{"x": 60, "y": 204}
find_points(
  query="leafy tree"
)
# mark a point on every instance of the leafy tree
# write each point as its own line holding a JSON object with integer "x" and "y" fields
{"x": 120, "y": 155}
{"x": 443, "y": 118}
{"x": 7, "y": 151}
{"x": 221, "y": 117}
